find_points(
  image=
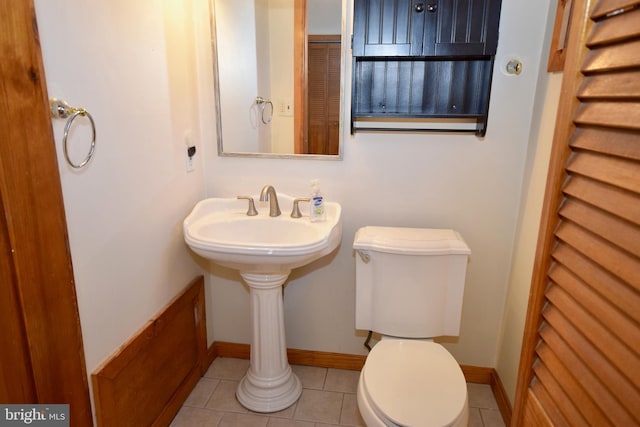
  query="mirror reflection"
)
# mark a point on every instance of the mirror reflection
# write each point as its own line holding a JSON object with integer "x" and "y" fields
{"x": 278, "y": 76}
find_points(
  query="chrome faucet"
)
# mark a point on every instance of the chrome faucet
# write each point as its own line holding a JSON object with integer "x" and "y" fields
{"x": 269, "y": 193}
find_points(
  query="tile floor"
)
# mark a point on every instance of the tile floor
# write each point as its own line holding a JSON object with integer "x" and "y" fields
{"x": 328, "y": 399}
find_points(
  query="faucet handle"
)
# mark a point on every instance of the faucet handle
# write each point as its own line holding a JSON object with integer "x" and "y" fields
{"x": 295, "y": 212}
{"x": 252, "y": 207}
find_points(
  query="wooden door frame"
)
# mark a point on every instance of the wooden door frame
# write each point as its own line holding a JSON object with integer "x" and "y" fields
{"x": 300, "y": 145}
{"x": 35, "y": 231}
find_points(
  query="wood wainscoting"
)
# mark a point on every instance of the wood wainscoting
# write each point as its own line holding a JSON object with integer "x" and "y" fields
{"x": 473, "y": 374}
{"x": 148, "y": 379}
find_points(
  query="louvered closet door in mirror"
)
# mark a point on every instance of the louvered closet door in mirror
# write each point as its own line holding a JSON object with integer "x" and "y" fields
{"x": 323, "y": 94}
{"x": 580, "y": 363}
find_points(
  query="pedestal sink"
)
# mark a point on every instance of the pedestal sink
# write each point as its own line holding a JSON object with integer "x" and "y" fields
{"x": 264, "y": 249}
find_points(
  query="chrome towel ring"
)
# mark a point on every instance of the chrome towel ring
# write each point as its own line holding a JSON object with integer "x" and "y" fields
{"x": 263, "y": 102}
{"x": 62, "y": 110}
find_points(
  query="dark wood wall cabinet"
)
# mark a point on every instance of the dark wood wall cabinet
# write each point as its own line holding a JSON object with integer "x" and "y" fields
{"x": 423, "y": 66}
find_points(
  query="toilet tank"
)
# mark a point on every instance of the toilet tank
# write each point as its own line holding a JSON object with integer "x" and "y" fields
{"x": 410, "y": 281}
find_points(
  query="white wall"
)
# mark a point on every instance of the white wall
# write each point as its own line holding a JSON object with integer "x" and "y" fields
{"x": 324, "y": 16}
{"x": 262, "y": 53}
{"x": 535, "y": 172}
{"x": 457, "y": 181}
{"x": 281, "y": 62}
{"x": 241, "y": 79}
{"x": 131, "y": 64}
{"x": 524, "y": 251}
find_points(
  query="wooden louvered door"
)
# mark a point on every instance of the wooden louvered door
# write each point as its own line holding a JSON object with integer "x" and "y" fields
{"x": 580, "y": 362}
{"x": 323, "y": 94}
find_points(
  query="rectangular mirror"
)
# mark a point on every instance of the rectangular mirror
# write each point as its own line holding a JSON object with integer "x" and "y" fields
{"x": 278, "y": 69}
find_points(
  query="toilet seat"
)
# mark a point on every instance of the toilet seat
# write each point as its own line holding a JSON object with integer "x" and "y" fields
{"x": 413, "y": 383}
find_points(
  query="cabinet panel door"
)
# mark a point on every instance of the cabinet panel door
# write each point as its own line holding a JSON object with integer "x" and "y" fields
{"x": 467, "y": 27}
{"x": 387, "y": 28}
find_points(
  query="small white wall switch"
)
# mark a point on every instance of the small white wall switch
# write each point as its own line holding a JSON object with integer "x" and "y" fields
{"x": 285, "y": 107}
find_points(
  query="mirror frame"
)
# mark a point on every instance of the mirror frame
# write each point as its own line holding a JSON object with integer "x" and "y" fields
{"x": 300, "y": 77}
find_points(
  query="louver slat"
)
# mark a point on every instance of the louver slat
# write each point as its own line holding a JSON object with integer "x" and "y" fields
{"x": 616, "y": 115}
{"x": 624, "y": 86}
{"x": 606, "y": 7}
{"x": 607, "y": 141}
{"x": 614, "y": 58}
{"x": 614, "y": 30}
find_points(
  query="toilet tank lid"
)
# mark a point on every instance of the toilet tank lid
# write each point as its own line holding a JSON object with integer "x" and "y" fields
{"x": 414, "y": 241}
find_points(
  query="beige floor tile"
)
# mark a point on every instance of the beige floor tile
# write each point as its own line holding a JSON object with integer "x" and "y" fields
{"x": 310, "y": 376}
{"x": 202, "y": 392}
{"x": 285, "y": 413}
{"x": 196, "y": 417}
{"x": 350, "y": 415}
{"x": 491, "y": 418}
{"x": 328, "y": 399}
{"x": 226, "y": 368}
{"x": 341, "y": 380}
{"x": 243, "y": 420}
{"x": 475, "y": 419}
{"x": 481, "y": 396}
{"x": 281, "y": 422}
{"x": 319, "y": 406}
{"x": 224, "y": 398}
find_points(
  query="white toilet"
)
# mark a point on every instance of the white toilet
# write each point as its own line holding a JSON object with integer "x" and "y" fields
{"x": 409, "y": 288}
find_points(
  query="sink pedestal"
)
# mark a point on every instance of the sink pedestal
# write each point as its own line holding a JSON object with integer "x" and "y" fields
{"x": 264, "y": 249}
{"x": 269, "y": 385}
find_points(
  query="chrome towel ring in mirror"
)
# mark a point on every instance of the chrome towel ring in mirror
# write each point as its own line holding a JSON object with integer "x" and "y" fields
{"x": 262, "y": 103}
{"x": 62, "y": 110}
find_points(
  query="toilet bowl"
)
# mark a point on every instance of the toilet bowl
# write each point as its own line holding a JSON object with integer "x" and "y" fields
{"x": 412, "y": 383}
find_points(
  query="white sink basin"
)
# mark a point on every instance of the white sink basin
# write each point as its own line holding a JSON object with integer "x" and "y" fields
{"x": 220, "y": 230}
{"x": 265, "y": 249}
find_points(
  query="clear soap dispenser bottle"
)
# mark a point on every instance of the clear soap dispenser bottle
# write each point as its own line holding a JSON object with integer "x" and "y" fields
{"x": 317, "y": 212}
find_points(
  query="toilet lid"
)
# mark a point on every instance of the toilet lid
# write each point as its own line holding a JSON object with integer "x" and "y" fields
{"x": 411, "y": 241}
{"x": 414, "y": 383}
